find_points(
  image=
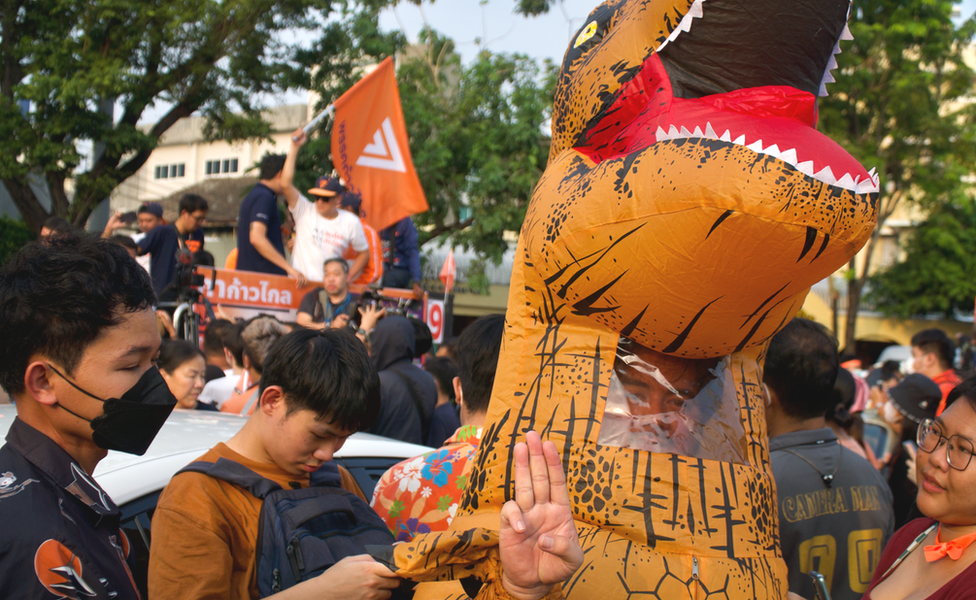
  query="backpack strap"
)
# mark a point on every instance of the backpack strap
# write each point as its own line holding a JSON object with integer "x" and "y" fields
{"x": 249, "y": 404}
{"x": 235, "y": 473}
{"x": 415, "y": 396}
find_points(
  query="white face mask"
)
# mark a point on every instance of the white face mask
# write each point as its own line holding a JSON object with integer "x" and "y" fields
{"x": 891, "y": 414}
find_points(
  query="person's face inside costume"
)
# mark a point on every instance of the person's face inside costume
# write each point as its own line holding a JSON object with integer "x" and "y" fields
{"x": 946, "y": 493}
{"x": 665, "y": 403}
{"x": 186, "y": 381}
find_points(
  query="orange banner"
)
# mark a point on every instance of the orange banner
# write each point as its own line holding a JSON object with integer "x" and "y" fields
{"x": 263, "y": 290}
{"x": 371, "y": 152}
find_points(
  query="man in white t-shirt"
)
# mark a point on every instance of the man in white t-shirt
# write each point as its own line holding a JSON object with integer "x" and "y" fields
{"x": 322, "y": 231}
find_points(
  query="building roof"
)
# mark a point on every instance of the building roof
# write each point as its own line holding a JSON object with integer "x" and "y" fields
{"x": 223, "y": 194}
{"x": 189, "y": 130}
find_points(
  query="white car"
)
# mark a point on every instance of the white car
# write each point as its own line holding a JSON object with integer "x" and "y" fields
{"x": 134, "y": 482}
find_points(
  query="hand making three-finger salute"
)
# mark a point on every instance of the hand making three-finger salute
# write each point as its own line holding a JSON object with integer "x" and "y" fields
{"x": 538, "y": 542}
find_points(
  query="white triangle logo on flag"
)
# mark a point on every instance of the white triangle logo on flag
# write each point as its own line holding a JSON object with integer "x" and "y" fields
{"x": 378, "y": 156}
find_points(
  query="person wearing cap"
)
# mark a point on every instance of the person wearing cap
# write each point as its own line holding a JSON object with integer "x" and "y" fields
{"x": 914, "y": 399}
{"x": 260, "y": 247}
{"x": 373, "y": 271}
{"x": 322, "y": 231}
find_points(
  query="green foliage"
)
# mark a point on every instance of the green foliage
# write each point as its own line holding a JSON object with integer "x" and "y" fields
{"x": 74, "y": 60}
{"x": 901, "y": 105}
{"x": 937, "y": 275}
{"x": 13, "y": 236}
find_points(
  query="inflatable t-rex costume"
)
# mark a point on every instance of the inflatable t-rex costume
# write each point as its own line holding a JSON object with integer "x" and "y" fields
{"x": 688, "y": 206}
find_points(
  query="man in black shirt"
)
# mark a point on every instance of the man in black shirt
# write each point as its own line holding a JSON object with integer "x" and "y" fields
{"x": 79, "y": 310}
{"x": 259, "y": 244}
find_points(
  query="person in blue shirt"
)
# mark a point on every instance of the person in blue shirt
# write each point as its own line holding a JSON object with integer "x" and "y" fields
{"x": 401, "y": 258}
{"x": 260, "y": 247}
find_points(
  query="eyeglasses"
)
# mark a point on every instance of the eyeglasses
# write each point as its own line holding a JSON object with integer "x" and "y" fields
{"x": 959, "y": 450}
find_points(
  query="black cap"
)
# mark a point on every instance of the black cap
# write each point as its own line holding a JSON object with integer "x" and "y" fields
{"x": 351, "y": 200}
{"x": 916, "y": 396}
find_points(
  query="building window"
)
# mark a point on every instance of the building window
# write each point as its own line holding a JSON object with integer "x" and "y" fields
{"x": 216, "y": 167}
{"x": 169, "y": 171}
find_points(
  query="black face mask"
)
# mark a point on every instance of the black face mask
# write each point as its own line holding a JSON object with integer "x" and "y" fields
{"x": 130, "y": 423}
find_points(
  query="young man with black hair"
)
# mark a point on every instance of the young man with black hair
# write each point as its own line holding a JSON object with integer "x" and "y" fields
{"x": 164, "y": 243}
{"x": 213, "y": 349}
{"x": 402, "y": 487}
{"x": 317, "y": 388}
{"x": 80, "y": 340}
{"x": 932, "y": 356}
{"x": 259, "y": 244}
{"x": 835, "y": 512}
{"x": 221, "y": 389}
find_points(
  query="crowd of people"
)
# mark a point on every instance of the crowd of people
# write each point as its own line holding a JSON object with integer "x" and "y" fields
{"x": 869, "y": 464}
{"x": 89, "y": 374}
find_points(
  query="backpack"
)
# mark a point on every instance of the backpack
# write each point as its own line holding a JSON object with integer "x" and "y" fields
{"x": 303, "y": 532}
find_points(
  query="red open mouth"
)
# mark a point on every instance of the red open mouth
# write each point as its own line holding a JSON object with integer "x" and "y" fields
{"x": 777, "y": 121}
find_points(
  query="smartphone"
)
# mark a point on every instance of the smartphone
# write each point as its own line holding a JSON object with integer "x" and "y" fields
{"x": 819, "y": 585}
{"x": 910, "y": 448}
{"x": 128, "y": 218}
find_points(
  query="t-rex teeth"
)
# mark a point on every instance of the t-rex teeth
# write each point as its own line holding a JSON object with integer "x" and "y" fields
{"x": 788, "y": 156}
{"x": 709, "y": 132}
{"x": 755, "y": 146}
{"x": 826, "y": 175}
{"x": 823, "y": 90}
{"x": 698, "y": 132}
{"x": 846, "y": 182}
{"x": 740, "y": 141}
{"x": 866, "y": 187}
{"x": 685, "y": 132}
{"x": 827, "y": 78}
{"x": 726, "y": 137}
{"x": 673, "y": 132}
{"x": 831, "y": 63}
{"x": 872, "y": 174}
{"x": 772, "y": 151}
{"x": 846, "y": 34}
{"x": 694, "y": 12}
{"x": 806, "y": 168}
{"x": 661, "y": 134}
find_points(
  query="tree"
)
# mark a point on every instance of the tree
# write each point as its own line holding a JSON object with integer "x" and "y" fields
{"x": 900, "y": 105}
{"x": 937, "y": 274}
{"x": 86, "y": 71}
{"x": 478, "y": 141}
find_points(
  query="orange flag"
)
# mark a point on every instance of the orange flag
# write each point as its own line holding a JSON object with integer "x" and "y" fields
{"x": 370, "y": 150}
{"x": 448, "y": 272}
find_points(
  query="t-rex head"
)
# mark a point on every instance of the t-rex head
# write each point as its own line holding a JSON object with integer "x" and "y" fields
{"x": 689, "y": 202}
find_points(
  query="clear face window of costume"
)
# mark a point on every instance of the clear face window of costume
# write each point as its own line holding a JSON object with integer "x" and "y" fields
{"x": 673, "y": 405}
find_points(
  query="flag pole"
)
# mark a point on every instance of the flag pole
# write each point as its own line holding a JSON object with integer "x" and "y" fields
{"x": 311, "y": 124}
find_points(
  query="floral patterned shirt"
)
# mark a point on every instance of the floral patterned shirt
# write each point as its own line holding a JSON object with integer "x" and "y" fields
{"x": 421, "y": 494}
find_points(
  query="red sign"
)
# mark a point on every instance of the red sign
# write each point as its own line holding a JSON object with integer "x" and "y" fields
{"x": 435, "y": 319}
